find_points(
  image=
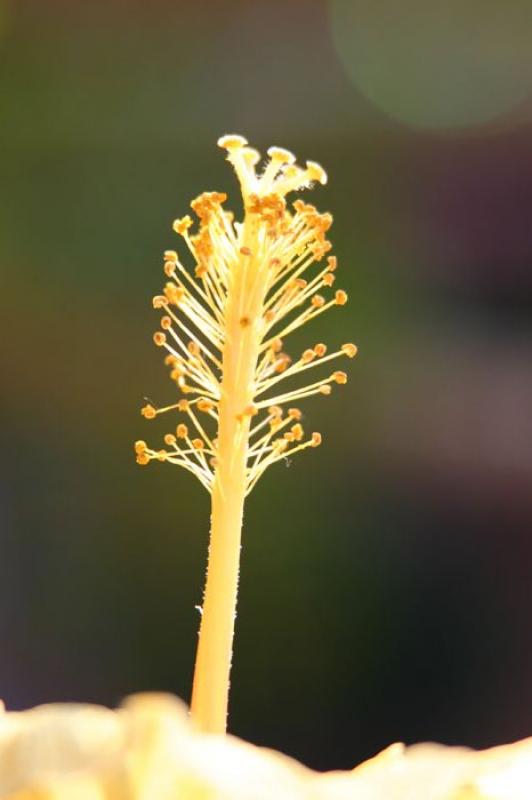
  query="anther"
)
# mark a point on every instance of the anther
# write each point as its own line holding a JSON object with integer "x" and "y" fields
{"x": 318, "y": 301}
{"x": 245, "y": 251}
{"x": 339, "y": 377}
{"x": 159, "y": 301}
{"x": 181, "y": 431}
{"x": 161, "y": 455}
{"x": 316, "y": 439}
{"x": 277, "y": 411}
{"x": 308, "y": 356}
{"x": 205, "y": 405}
{"x": 166, "y": 323}
{"x": 276, "y": 345}
{"x": 193, "y": 348}
{"x": 183, "y": 405}
{"x": 182, "y": 225}
{"x": 250, "y": 411}
{"x": 159, "y": 338}
{"x": 350, "y": 349}
{"x": 297, "y": 432}
{"x": 198, "y": 444}
{"x": 170, "y": 255}
{"x": 140, "y": 446}
{"x": 142, "y": 459}
{"x": 328, "y": 279}
{"x": 340, "y": 297}
{"x": 244, "y": 322}
{"x": 332, "y": 263}
{"x": 169, "y": 438}
{"x": 325, "y": 389}
{"x": 148, "y": 412}
{"x": 320, "y": 350}
{"x": 294, "y": 413}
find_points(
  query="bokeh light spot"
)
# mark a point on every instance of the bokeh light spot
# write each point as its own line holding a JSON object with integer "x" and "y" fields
{"x": 458, "y": 63}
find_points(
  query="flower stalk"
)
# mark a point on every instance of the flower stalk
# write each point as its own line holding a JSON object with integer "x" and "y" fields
{"x": 223, "y": 329}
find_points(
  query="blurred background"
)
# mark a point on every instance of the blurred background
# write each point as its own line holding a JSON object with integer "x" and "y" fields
{"x": 386, "y": 578}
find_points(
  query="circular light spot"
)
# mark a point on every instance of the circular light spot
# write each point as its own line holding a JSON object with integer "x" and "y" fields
{"x": 457, "y": 63}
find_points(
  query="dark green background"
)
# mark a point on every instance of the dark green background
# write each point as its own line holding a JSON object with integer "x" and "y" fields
{"x": 386, "y": 578}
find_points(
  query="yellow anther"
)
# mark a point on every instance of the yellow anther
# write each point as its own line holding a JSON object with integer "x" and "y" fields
{"x": 316, "y": 172}
{"x": 250, "y": 411}
{"x": 193, "y": 348}
{"x": 159, "y": 338}
{"x": 204, "y": 405}
{"x": 183, "y": 405}
{"x": 276, "y": 345}
{"x": 339, "y": 377}
{"x": 316, "y": 439}
{"x": 175, "y": 294}
{"x": 281, "y": 155}
{"x": 307, "y": 356}
{"x": 232, "y": 141}
{"x": 325, "y": 389}
{"x": 161, "y": 455}
{"x": 159, "y": 301}
{"x": 320, "y": 350}
{"x": 300, "y": 283}
{"x": 182, "y": 225}
{"x": 181, "y": 431}
{"x": 245, "y": 251}
{"x": 294, "y": 413}
{"x": 269, "y": 316}
{"x": 332, "y": 263}
{"x": 142, "y": 459}
{"x": 198, "y": 444}
{"x": 350, "y": 349}
{"x": 297, "y": 431}
{"x": 276, "y": 411}
{"x": 170, "y": 255}
{"x": 140, "y": 446}
{"x": 176, "y": 374}
{"x": 289, "y": 436}
{"x": 171, "y": 360}
{"x": 328, "y": 279}
{"x": 169, "y": 438}
{"x": 166, "y": 323}
{"x": 169, "y": 268}
{"x": 148, "y": 412}
{"x": 318, "y": 301}
{"x": 340, "y": 297}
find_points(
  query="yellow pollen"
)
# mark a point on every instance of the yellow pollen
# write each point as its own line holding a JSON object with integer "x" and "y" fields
{"x": 350, "y": 349}
{"x": 325, "y": 389}
{"x": 297, "y": 431}
{"x": 308, "y": 356}
{"x": 332, "y": 263}
{"x": 198, "y": 444}
{"x": 140, "y": 446}
{"x": 170, "y": 255}
{"x": 320, "y": 350}
{"x": 340, "y": 297}
{"x": 328, "y": 279}
{"x": 169, "y": 438}
{"x": 316, "y": 439}
{"x": 339, "y": 377}
{"x": 166, "y": 323}
{"x": 281, "y": 155}
{"x": 316, "y": 172}
{"x": 276, "y": 411}
{"x": 318, "y": 301}
{"x": 294, "y": 413}
{"x": 142, "y": 459}
{"x": 159, "y": 301}
{"x": 181, "y": 431}
{"x": 161, "y": 455}
{"x": 182, "y": 225}
{"x": 159, "y": 338}
{"x": 183, "y": 405}
{"x": 245, "y": 251}
{"x": 148, "y": 412}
